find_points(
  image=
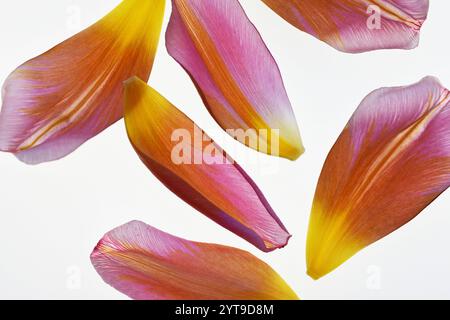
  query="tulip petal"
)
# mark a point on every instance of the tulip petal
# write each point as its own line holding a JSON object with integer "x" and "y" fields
{"x": 357, "y": 25}
{"x": 196, "y": 169}
{"x": 236, "y": 75}
{"x": 55, "y": 102}
{"x": 391, "y": 161}
{"x": 147, "y": 264}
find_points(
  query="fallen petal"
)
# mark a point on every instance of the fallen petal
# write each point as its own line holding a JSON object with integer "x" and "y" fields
{"x": 391, "y": 161}
{"x": 357, "y": 25}
{"x": 191, "y": 165}
{"x": 235, "y": 73}
{"x": 55, "y": 102}
{"x": 147, "y": 264}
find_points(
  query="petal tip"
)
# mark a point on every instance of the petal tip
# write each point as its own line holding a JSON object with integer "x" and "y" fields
{"x": 318, "y": 269}
{"x": 270, "y": 247}
{"x": 313, "y": 274}
{"x": 295, "y": 153}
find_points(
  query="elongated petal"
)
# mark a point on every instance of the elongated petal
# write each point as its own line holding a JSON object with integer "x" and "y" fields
{"x": 391, "y": 161}
{"x": 55, "y": 102}
{"x": 357, "y": 25}
{"x": 196, "y": 169}
{"x": 147, "y": 264}
{"x": 235, "y": 74}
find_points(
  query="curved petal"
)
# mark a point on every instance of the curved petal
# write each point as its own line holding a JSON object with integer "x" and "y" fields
{"x": 147, "y": 264}
{"x": 235, "y": 74}
{"x": 391, "y": 161}
{"x": 55, "y": 102}
{"x": 196, "y": 169}
{"x": 357, "y": 25}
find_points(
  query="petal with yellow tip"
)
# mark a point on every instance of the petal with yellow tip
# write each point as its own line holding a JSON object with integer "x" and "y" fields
{"x": 235, "y": 73}
{"x": 55, "y": 102}
{"x": 357, "y": 25}
{"x": 196, "y": 169}
{"x": 390, "y": 162}
{"x": 147, "y": 264}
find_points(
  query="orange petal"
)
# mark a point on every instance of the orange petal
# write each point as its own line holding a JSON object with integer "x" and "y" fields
{"x": 391, "y": 161}
{"x": 191, "y": 165}
{"x": 147, "y": 264}
{"x": 235, "y": 73}
{"x": 55, "y": 102}
{"x": 357, "y": 25}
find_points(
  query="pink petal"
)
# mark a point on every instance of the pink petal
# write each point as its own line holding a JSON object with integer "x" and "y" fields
{"x": 357, "y": 25}
{"x": 147, "y": 264}
{"x": 55, "y": 102}
{"x": 204, "y": 176}
{"x": 391, "y": 161}
{"x": 233, "y": 70}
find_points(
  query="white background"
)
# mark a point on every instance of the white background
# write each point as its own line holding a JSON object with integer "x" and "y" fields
{"x": 52, "y": 215}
